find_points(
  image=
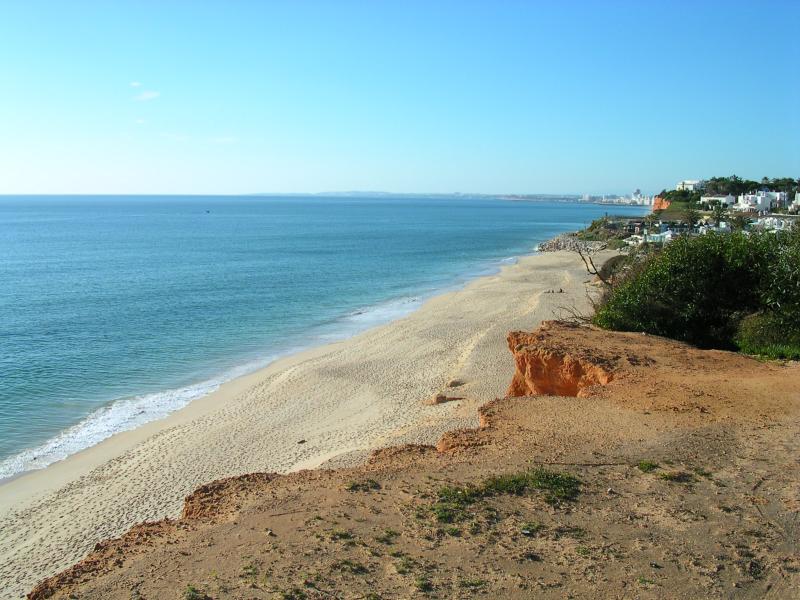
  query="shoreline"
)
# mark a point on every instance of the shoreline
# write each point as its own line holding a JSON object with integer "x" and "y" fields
{"x": 330, "y": 404}
{"x": 256, "y": 365}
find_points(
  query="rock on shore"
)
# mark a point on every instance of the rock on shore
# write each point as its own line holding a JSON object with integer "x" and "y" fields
{"x": 569, "y": 241}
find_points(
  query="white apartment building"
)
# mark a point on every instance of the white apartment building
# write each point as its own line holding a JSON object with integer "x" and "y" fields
{"x": 689, "y": 185}
{"x": 761, "y": 201}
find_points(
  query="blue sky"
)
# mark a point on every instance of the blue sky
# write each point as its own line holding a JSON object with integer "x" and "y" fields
{"x": 496, "y": 96}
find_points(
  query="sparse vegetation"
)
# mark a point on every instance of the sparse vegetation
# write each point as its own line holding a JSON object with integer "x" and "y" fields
{"x": 249, "y": 571}
{"x": 472, "y": 584}
{"x": 341, "y": 534}
{"x": 192, "y": 593}
{"x": 423, "y": 584}
{"x": 556, "y": 487}
{"x": 677, "y": 477}
{"x": 531, "y": 528}
{"x": 363, "y": 486}
{"x": 387, "y": 537}
{"x": 405, "y": 565}
{"x": 702, "y": 472}
{"x": 349, "y": 566}
{"x": 647, "y": 466}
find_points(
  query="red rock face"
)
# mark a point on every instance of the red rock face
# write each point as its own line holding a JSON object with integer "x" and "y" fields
{"x": 544, "y": 370}
{"x": 660, "y": 203}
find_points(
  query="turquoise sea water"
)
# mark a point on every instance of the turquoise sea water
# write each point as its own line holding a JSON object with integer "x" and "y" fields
{"x": 115, "y": 311}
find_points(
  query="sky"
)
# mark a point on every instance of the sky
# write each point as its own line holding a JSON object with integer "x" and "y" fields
{"x": 230, "y": 97}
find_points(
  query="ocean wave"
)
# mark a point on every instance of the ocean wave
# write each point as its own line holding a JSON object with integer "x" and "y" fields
{"x": 383, "y": 312}
{"x": 121, "y": 415}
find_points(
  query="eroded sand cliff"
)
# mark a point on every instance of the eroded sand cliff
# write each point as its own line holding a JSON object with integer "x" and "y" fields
{"x": 688, "y": 487}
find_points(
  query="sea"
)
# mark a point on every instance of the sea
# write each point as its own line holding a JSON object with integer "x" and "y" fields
{"x": 118, "y": 310}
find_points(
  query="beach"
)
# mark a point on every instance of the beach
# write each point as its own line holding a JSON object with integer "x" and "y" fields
{"x": 328, "y": 406}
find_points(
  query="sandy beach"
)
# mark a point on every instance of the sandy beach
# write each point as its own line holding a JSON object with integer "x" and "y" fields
{"x": 327, "y": 406}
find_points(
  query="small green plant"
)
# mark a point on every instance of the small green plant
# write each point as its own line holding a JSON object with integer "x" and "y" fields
{"x": 249, "y": 571}
{"x": 423, "y": 584}
{"x": 447, "y": 513}
{"x": 472, "y": 584}
{"x": 702, "y": 472}
{"x": 644, "y": 581}
{"x": 531, "y": 528}
{"x": 582, "y": 551}
{"x": 513, "y": 484}
{"x": 453, "y": 531}
{"x": 405, "y": 565}
{"x": 363, "y": 486}
{"x": 647, "y": 466}
{"x": 192, "y": 593}
{"x": 293, "y": 594}
{"x": 755, "y": 569}
{"x": 387, "y": 537}
{"x": 557, "y": 487}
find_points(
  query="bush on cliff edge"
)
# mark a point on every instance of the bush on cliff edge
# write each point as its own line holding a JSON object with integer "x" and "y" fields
{"x": 699, "y": 290}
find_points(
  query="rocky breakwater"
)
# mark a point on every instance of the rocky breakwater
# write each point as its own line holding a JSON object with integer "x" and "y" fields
{"x": 568, "y": 241}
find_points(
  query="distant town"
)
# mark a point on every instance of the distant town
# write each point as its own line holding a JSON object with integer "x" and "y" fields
{"x": 759, "y": 198}
{"x": 698, "y": 207}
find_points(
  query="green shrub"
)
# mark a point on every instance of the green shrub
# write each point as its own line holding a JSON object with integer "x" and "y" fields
{"x": 763, "y": 334}
{"x": 647, "y": 466}
{"x": 700, "y": 289}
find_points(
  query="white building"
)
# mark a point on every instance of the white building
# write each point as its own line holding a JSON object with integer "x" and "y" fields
{"x": 728, "y": 200}
{"x": 659, "y": 238}
{"x": 689, "y": 185}
{"x": 761, "y": 201}
{"x": 641, "y": 199}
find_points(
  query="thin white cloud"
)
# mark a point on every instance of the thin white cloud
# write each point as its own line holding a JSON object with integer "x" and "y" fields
{"x": 225, "y": 140}
{"x": 136, "y": 84}
{"x": 140, "y": 121}
{"x": 147, "y": 95}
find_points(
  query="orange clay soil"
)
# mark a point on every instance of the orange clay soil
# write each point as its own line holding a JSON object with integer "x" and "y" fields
{"x": 689, "y": 488}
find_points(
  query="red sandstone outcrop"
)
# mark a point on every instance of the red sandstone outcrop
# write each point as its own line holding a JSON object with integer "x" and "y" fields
{"x": 543, "y": 368}
{"x": 660, "y": 203}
